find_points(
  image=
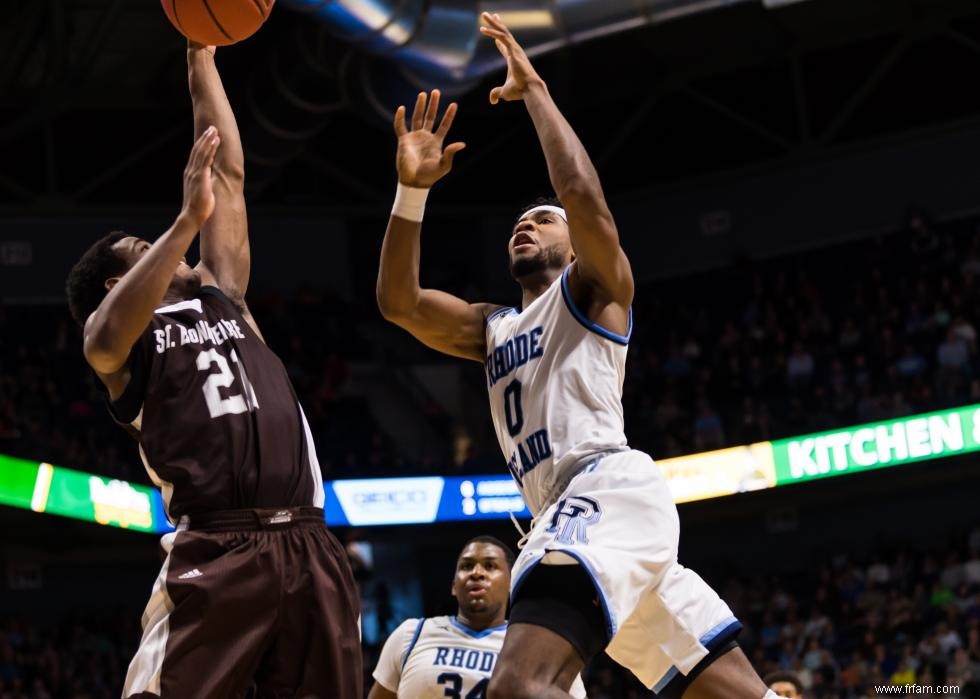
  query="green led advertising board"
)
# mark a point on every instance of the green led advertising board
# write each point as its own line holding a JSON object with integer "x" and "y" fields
{"x": 877, "y": 445}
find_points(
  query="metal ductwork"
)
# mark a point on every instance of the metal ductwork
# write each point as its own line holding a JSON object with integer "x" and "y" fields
{"x": 291, "y": 96}
{"x": 371, "y": 55}
{"x": 436, "y": 43}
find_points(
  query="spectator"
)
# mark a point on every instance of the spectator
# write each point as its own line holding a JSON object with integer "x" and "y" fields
{"x": 799, "y": 367}
{"x": 708, "y": 431}
{"x": 953, "y": 355}
{"x": 784, "y": 684}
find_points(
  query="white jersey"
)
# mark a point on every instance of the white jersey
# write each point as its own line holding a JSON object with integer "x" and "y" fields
{"x": 556, "y": 385}
{"x": 440, "y": 657}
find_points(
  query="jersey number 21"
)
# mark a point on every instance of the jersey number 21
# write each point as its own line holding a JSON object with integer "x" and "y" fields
{"x": 235, "y": 403}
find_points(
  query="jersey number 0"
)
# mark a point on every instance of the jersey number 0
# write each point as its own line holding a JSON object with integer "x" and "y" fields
{"x": 513, "y": 411}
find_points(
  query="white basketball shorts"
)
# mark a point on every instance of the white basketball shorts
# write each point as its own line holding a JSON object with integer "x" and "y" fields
{"x": 618, "y": 521}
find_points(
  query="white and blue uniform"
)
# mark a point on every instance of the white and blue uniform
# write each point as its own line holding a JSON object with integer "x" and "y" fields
{"x": 556, "y": 382}
{"x": 440, "y": 657}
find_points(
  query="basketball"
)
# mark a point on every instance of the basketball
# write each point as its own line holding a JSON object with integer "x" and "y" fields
{"x": 217, "y": 22}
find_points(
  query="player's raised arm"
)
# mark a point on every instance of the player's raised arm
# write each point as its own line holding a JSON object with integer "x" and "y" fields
{"x": 225, "y": 255}
{"x": 115, "y": 326}
{"x": 440, "y": 320}
{"x": 599, "y": 259}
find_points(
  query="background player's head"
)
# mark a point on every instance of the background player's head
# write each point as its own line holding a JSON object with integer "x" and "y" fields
{"x": 104, "y": 264}
{"x": 785, "y": 684}
{"x": 539, "y": 241}
{"x": 481, "y": 584}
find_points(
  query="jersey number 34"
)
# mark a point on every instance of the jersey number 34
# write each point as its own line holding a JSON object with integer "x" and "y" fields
{"x": 455, "y": 685}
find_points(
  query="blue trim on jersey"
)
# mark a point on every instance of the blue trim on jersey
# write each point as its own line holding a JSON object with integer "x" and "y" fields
{"x": 588, "y": 324}
{"x": 717, "y": 636}
{"x": 611, "y": 626}
{"x": 415, "y": 639}
{"x": 473, "y": 633}
{"x": 500, "y": 312}
{"x": 666, "y": 679}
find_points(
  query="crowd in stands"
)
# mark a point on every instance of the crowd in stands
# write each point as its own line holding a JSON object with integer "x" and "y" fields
{"x": 82, "y": 656}
{"x": 868, "y": 330}
{"x": 842, "y": 627}
{"x": 880, "y": 328}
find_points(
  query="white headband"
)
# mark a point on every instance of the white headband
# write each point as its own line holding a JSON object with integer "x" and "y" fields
{"x": 545, "y": 207}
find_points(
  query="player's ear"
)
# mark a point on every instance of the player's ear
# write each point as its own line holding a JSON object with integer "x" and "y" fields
{"x": 111, "y": 282}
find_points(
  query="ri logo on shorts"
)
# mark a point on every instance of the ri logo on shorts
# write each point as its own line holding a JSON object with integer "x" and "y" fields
{"x": 572, "y": 517}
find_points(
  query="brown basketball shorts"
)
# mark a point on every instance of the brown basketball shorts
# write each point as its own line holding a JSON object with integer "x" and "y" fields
{"x": 251, "y": 600}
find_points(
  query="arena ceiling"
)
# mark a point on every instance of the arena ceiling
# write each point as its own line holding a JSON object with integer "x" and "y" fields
{"x": 95, "y": 113}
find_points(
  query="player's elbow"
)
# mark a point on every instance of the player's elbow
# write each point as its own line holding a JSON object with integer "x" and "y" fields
{"x": 393, "y": 306}
{"x": 394, "y": 313}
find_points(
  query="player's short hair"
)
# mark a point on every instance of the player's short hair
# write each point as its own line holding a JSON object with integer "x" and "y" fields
{"x": 85, "y": 286}
{"x": 540, "y": 201}
{"x": 780, "y": 676}
{"x": 494, "y": 541}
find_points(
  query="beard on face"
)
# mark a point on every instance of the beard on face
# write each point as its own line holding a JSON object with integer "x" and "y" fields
{"x": 548, "y": 258}
{"x": 187, "y": 286}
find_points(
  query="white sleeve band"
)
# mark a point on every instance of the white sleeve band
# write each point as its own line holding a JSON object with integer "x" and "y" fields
{"x": 409, "y": 203}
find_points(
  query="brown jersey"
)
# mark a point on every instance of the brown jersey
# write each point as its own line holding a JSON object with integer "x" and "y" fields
{"x": 215, "y": 414}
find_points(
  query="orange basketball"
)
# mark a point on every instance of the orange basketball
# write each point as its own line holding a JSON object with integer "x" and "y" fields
{"x": 217, "y": 22}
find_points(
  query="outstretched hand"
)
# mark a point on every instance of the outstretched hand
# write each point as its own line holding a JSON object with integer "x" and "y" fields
{"x": 421, "y": 159}
{"x": 198, "y": 184}
{"x": 520, "y": 72}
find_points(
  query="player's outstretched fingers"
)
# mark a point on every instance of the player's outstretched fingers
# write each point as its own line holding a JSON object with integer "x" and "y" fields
{"x": 492, "y": 33}
{"x": 499, "y": 37}
{"x": 399, "y": 121}
{"x": 211, "y": 150}
{"x": 418, "y": 114}
{"x": 430, "y": 113}
{"x": 451, "y": 150}
{"x": 199, "y": 152}
{"x": 494, "y": 22}
{"x": 447, "y": 120}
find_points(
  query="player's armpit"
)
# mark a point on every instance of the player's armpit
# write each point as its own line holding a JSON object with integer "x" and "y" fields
{"x": 443, "y": 322}
{"x": 117, "y": 382}
{"x": 596, "y": 303}
{"x": 237, "y": 300}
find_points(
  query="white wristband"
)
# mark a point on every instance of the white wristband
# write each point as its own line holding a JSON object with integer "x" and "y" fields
{"x": 409, "y": 203}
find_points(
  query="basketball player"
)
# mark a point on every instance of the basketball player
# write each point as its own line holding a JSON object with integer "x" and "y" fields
{"x": 253, "y": 584}
{"x": 453, "y": 656}
{"x": 599, "y": 568}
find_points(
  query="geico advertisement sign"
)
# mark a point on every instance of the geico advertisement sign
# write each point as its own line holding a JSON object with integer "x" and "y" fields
{"x": 389, "y": 500}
